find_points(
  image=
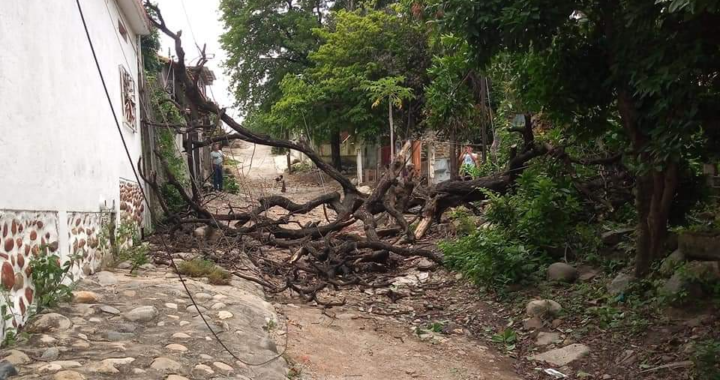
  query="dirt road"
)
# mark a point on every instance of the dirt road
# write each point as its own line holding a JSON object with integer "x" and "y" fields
{"x": 352, "y": 342}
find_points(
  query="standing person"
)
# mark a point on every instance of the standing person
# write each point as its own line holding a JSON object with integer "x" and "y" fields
{"x": 217, "y": 164}
{"x": 467, "y": 161}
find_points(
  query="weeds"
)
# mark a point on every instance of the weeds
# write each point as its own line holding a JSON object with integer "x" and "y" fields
{"x": 707, "y": 360}
{"x": 507, "y": 337}
{"x": 204, "y": 268}
{"x": 48, "y": 276}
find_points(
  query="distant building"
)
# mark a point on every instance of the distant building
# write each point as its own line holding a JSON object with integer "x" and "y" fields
{"x": 65, "y": 173}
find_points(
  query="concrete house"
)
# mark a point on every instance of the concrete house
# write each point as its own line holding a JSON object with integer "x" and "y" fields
{"x": 65, "y": 174}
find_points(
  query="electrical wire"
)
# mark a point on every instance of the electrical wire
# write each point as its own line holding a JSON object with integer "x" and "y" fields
{"x": 145, "y": 197}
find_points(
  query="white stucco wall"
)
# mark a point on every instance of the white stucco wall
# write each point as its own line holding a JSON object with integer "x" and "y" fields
{"x": 59, "y": 147}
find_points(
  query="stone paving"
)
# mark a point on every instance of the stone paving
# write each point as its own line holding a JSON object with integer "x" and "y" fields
{"x": 121, "y": 326}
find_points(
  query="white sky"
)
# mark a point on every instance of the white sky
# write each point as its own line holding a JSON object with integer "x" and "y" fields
{"x": 202, "y": 22}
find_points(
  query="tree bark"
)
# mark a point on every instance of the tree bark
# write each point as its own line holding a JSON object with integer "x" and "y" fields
{"x": 392, "y": 132}
{"x": 335, "y": 150}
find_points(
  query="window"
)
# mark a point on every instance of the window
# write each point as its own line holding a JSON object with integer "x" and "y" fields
{"x": 123, "y": 30}
{"x": 127, "y": 88}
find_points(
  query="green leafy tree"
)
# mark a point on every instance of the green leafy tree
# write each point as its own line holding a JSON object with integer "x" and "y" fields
{"x": 648, "y": 66}
{"x": 389, "y": 89}
{"x": 361, "y": 48}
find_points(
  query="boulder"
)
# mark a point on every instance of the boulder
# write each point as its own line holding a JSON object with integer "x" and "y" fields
{"x": 16, "y": 357}
{"x": 699, "y": 245}
{"x": 546, "y": 338}
{"x": 672, "y": 262}
{"x": 705, "y": 271}
{"x": 106, "y": 278}
{"x": 48, "y": 323}
{"x": 614, "y": 237}
{"x": 533, "y": 323}
{"x": 562, "y": 272}
{"x": 141, "y": 314}
{"x": 680, "y": 284}
{"x": 542, "y": 308}
{"x": 563, "y": 356}
{"x": 620, "y": 284}
{"x": 7, "y": 370}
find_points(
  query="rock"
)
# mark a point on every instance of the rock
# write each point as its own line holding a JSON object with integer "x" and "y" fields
{"x": 176, "y": 347}
{"x": 193, "y": 310}
{"x": 106, "y": 278}
{"x": 125, "y": 265}
{"x": 50, "y": 354}
{"x": 68, "y": 375}
{"x": 184, "y": 323}
{"x": 562, "y": 272}
{"x": 563, "y": 356}
{"x": 110, "y": 310}
{"x": 205, "y": 356}
{"x": 225, "y": 315}
{"x": 672, "y": 262}
{"x": 181, "y": 335}
{"x": 611, "y": 238}
{"x": 533, "y": 323}
{"x": 219, "y": 297}
{"x": 171, "y": 306}
{"x": 127, "y": 327}
{"x": 148, "y": 266}
{"x": 587, "y": 273}
{"x": 545, "y": 338}
{"x": 201, "y": 232}
{"x": 165, "y": 365}
{"x": 48, "y": 368}
{"x": 203, "y": 297}
{"x": 204, "y": 369}
{"x": 542, "y": 308}
{"x": 176, "y": 377}
{"x": 679, "y": 284}
{"x": 141, "y": 314}
{"x": 85, "y": 297}
{"x": 699, "y": 245}
{"x": 620, "y": 284}
{"x": 48, "y": 323}
{"x": 426, "y": 265}
{"x": 223, "y": 367}
{"x": 108, "y": 365}
{"x": 115, "y": 336}
{"x": 16, "y": 358}
{"x": 7, "y": 370}
{"x": 218, "y": 306}
{"x": 706, "y": 271}
{"x": 67, "y": 364}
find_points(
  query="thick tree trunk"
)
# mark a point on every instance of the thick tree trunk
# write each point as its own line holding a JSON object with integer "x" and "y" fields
{"x": 335, "y": 149}
{"x": 655, "y": 193}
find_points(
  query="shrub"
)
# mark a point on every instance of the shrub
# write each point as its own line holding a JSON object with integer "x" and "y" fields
{"x": 48, "y": 276}
{"x": 543, "y": 214}
{"x": 230, "y": 185}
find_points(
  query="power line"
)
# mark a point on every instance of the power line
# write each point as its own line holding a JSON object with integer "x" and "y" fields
{"x": 144, "y": 195}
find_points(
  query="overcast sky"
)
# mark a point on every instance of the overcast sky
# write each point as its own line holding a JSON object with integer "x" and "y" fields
{"x": 199, "y": 22}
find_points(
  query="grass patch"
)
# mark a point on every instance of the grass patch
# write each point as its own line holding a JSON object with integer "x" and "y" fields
{"x": 204, "y": 268}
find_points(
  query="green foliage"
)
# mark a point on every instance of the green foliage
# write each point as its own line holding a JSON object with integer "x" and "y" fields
{"x": 49, "y": 278}
{"x": 464, "y": 224}
{"x": 230, "y": 185}
{"x": 542, "y": 215}
{"x": 204, "y": 268}
{"x": 706, "y": 360}
{"x": 507, "y": 337}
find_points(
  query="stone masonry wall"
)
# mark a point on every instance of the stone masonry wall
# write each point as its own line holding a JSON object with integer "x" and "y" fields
{"x": 25, "y": 234}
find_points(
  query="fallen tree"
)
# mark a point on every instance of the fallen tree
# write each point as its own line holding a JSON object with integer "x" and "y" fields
{"x": 324, "y": 254}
